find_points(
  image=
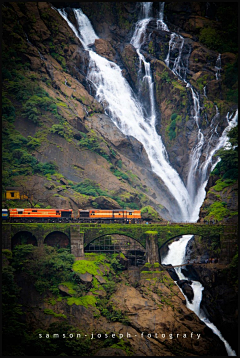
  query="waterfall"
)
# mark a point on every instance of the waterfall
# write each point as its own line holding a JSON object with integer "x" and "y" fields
{"x": 112, "y": 90}
{"x": 160, "y": 23}
{"x": 218, "y": 67}
{"x": 176, "y": 256}
{"x": 146, "y": 9}
{"x": 205, "y": 91}
{"x": 197, "y": 173}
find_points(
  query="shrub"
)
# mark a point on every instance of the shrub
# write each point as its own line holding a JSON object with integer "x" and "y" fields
{"x": 8, "y": 110}
{"x": 89, "y": 187}
{"x": 210, "y": 38}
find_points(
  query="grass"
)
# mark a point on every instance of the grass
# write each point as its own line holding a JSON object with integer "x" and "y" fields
{"x": 70, "y": 286}
{"x": 92, "y": 267}
{"x": 82, "y": 301}
{"x": 52, "y": 313}
{"x": 220, "y": 184}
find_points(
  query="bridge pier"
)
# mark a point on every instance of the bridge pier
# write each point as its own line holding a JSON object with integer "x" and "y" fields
{"x": 77, "y": 241}
{"x": 152, "y": 252}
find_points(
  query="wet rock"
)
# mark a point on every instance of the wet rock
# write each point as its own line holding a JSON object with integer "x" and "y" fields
{"x": 64, "y": 290}
{"x": 106, "y": 203}
{"x": 173, "y": 274}
{"x": 100, "y": 293}
{"x": 187, "y": 288}
{"x": 190, "y": 272}
{"x": 100, "y": 279}
{"x": 104, "y": 49}
{"x": 85, "y": 277}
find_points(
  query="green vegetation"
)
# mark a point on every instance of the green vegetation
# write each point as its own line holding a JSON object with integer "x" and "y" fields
{"x": 151, "y": 48}
{"x": 230, "y": 80}
{"x": 90, "y": 187}
{"x": 220, "y": 184}
{"x": 92, "y": 142}
{"x": 164, "y": 75}
{"x": 152, "y": 233}
{"x": 82, "y": 301}
{"x": 217, "y": 211}
{"x": 149, "y": 213}
{"x": 47, "y": 266}
{"x": 221, "y": 36}
{"x": 51, "y": 312}
{"x": 227, "y": 168}
{"x": 172, "y": 126}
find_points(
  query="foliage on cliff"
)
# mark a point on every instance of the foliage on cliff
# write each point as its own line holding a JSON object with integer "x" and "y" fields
{"x": 45, "y": 268}
{"x": 221, "y": 200}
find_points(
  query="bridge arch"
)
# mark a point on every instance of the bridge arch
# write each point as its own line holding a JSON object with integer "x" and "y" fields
{"x": 131, "y": 234}
{"x": 23, "y": 238}
{"x": 132, "y": 249}
{"x": 174, "y": 238}
{"x": 57, "y": 239}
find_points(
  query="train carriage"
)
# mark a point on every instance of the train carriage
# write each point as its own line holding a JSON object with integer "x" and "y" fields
{"x": 40, "y": 215}
{"x": 109, "y": 216}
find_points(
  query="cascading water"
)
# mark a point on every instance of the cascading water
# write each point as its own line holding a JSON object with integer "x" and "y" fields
{"x": 176, "y": 256}
{"x": 160, "y": 23}
{"x": 198, "y": 172}
{"x": 113, "y": 90}
{"x": 218, "y": 67}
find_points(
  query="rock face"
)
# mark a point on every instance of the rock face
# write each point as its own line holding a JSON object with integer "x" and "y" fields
{"x": 155, "y": 308}
{"x": 219, "y": 297}
{"x": 227, "y": 195}
{"x": 85, "y": 277}
{"x": 219, "y": 301}
{"x": 187, "y": 288}
{"x": 58, "y": 63}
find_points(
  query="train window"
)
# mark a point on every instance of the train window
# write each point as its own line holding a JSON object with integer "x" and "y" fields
{"x": 20, "y": 212}
{"x": 12, "y": 195}
{"x": 34, "y": 211}
{"x": 129, "y": 213}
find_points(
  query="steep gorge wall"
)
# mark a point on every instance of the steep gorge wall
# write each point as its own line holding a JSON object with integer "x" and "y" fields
{"x": 52, "y": 56}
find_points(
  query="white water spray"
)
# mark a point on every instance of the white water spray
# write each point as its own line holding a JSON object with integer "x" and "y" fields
{"x": 218, "y": 67}
{"x": 160, "y": 23}
{"x": 176, "y": 256}
{"x": 113, "y": 91}
{"x": 198, "y": 172}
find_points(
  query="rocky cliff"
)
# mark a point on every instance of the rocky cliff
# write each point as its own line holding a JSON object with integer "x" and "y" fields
{"x": 58, "y": 136}
{"x": 97, "y": 298}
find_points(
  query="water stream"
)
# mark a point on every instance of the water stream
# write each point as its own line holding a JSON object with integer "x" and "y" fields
{"x": 112, "y": 90}
{"x": 199, "y": 168}
{"x": 176, "y": 256}
{"x": 218, "y": 67}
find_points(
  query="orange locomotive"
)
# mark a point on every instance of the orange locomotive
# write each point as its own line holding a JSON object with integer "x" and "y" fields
{"x": 66, "y": 215}
{"x": 44, "y": 215}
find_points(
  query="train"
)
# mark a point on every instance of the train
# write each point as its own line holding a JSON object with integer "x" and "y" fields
{"x": 31, "y": 215}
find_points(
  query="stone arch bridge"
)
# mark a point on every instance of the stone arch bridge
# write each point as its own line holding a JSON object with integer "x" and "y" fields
{"x": 80, "y": 235}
